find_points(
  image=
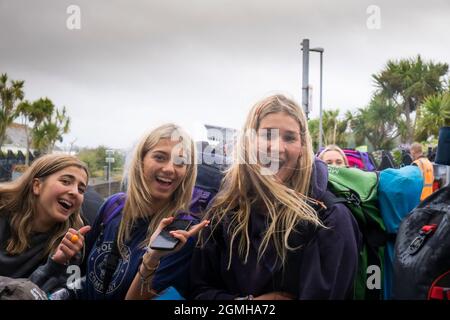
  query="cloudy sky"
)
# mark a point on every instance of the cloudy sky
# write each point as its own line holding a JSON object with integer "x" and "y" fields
{"x": 135, "y": 64}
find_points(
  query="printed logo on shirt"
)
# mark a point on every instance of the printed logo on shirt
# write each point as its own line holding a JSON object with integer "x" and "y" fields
{"x": 98, "y": 260}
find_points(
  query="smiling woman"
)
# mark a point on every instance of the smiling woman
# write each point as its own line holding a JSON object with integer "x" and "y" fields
{"x": 271, "y": 237}
{"x": 39, "y": 213}
{"x": 160, "y": 181}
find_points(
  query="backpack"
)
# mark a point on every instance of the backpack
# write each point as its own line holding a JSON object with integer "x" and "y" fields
{"x": 387, "y": 161}
{"x": 422, "y": 251}
{"x": 398, "y": 193}
{"x": 359, "y": 159}
{"x": 368, "y": 161}
{"x": 354, "y": 159}
{"x": 20, "y": 289}
{"x": 357, "y": 189}
{"x": 206, "y": 187}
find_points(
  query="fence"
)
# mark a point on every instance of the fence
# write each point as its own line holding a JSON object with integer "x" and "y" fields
{"x": 9, "y": 160}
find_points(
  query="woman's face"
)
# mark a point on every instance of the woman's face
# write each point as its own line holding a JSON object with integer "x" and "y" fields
{"x": 164, "y": 169}
{"x": 59, "y": 195}
{"x": 333, "y": 158}
{"x": 279, "y": 144}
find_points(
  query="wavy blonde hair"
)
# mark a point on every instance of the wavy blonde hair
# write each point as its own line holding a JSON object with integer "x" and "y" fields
{"x": 18, "y": 203}
{"x": 139, "y": 201}
{"x": 244, "y": 185}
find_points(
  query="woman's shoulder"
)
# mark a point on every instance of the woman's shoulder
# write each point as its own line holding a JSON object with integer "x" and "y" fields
{"x": 339, "y": 219}
{"x": 112, "y": 207}
{"x": 119, "y": 197}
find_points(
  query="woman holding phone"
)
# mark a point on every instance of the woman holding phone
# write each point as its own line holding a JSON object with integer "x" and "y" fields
{"x": 160, "y": 180}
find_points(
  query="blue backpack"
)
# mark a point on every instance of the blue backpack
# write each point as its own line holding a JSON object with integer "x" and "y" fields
{"x": 399, "y": 192}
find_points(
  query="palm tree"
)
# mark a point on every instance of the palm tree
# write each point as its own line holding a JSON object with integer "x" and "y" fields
{"x": 313, "y": 126}
{"x": 35, "y": 112}
{"x": 408, "y": 82}
{"x": 333, "y": 128}
{"x": 10, "y": 96}
{"x": 378, "y": 122}
{"x": 50, "y": 130}
{"x": 435, "y": 114}
{"x": 24, "y": 109}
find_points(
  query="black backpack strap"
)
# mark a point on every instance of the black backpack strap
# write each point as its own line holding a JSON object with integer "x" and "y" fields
{"x": 111, "y": 264}
{"x": 330, "y": 199}
{"x": 113, "y": 257}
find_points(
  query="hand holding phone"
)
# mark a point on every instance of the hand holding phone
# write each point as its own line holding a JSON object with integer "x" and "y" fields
{"x": 165, "y": 241}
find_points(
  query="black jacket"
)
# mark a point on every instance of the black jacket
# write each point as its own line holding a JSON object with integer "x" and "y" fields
{"x": 323, "y": 268}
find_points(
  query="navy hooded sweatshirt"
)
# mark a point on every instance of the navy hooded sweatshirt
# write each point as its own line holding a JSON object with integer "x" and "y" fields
{"x": 324, "y": 267}
{"x": 172, "y": 271}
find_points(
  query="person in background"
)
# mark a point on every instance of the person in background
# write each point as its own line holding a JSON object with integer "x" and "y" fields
{"x": 91, "y": 205}
{"x": 420, "y": 160}
{"x": 334, "y": 156}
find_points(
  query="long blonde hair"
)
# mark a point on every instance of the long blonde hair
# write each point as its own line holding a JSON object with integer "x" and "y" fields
{"x": 18, "y": 203}
{"x": 139, "y": 201}
{"x": 244, "y": 186}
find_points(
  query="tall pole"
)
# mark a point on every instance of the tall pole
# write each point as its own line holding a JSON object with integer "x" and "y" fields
{"x": 305, "y": 83}
{"x": 109, "y": 178}
{"x": 109, "y": 159}
{"x": 320, "y": 116}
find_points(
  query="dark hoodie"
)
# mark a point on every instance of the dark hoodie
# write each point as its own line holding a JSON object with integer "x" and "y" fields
{"x": 323, "y": 267}
{"x": 32, "y": 263}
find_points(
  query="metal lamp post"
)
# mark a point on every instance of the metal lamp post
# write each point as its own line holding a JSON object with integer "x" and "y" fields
{"x": 305, "y": 88}
{"x": 321, "y": 50}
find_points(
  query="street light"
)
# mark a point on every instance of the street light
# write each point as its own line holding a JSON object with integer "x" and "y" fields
{"x": 321, "y": 50}
{"x": 305, "y": 88}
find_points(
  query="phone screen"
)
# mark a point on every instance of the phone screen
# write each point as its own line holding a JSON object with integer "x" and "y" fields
{"x": 165, "y": 241}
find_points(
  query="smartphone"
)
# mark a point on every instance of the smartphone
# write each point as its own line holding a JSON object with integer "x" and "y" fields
{"x": 164, "y": 240}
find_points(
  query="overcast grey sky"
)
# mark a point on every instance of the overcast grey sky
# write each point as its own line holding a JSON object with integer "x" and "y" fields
{"x": 135, "y": 64}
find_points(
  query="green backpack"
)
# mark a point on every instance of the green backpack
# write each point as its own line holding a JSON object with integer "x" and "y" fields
{"x": 357, "y": 189}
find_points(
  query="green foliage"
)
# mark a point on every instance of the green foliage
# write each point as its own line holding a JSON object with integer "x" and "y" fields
{"x": 334, "y": 129}
{"x": 49, "y": 125}
{"x": 10, "y": 97}
{"x": 397, "y": 157}
{"x": 313, "y": 126}
{"x": 95, "y": 159}
{"x": 407, "y": 83}
{"x": 378, "y": 122}
{"x": 435, "y": 114}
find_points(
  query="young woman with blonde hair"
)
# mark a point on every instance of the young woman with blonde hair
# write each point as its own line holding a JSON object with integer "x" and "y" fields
{"x": 333, "y": 156}
{"x": 160, "y": 181}
{"x": 270, "y": 236}
{"x": 41, "y": 230}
